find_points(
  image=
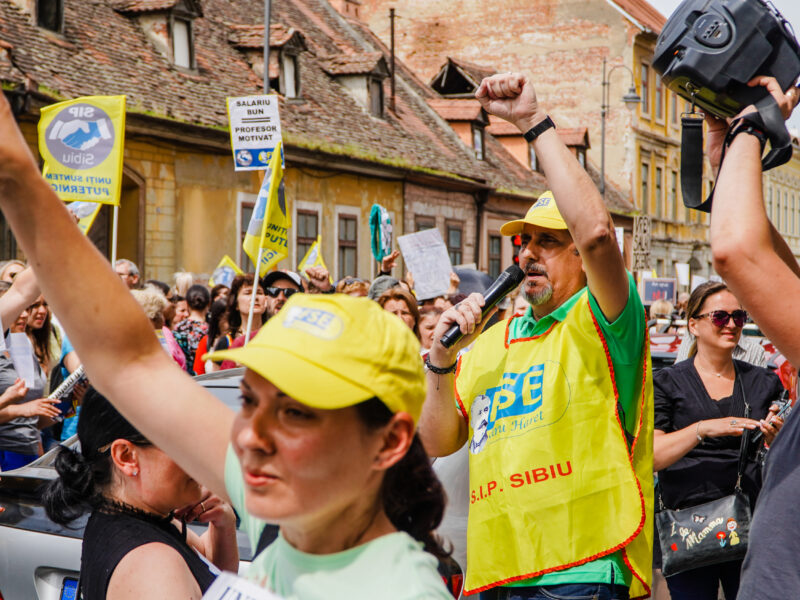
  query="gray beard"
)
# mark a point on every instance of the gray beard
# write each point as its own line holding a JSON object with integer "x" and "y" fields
{"x": 539, "y": 297}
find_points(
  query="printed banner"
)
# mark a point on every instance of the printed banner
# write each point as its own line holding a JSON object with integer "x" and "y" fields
{"x": 269, "y": 225}
{"x": 86, "y": 212}
{"x": 255, "y": 130}
{"x": 226, "y": 270}
{"x": 81, "y": 142}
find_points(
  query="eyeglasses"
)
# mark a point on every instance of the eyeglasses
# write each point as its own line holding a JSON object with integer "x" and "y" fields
{"x": 274, "y": 292}
{"x": 720, "y": 318}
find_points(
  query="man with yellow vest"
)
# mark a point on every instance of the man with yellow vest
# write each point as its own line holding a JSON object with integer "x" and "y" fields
{"x": 554, "y": 404}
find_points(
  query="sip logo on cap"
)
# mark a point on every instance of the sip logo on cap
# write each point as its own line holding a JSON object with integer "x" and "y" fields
{"x": 314, "y": 321}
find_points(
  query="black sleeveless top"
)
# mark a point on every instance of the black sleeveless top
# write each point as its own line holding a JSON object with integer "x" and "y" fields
{"x": 109, "y": 537}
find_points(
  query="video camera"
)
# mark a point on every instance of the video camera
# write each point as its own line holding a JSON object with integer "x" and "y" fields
{"x": 709, "y": 50}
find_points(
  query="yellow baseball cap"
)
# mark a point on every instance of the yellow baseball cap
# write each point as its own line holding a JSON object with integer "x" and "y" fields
{"x": 332, "y": 350}
{"x": 543, "y": 213}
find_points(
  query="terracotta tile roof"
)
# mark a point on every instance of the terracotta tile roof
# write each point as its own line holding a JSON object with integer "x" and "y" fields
{"x": 252, "y": 36}
{"x": 501, "y": 127}
{"x": 644, "y": 13}
{"x": 457, "y": 110}
{"x": 575, "y": 136}
{"x": 352, "y": 64}
{"x": 475, "y": 72}
{"x": 105, "y": 51}
{"x": 142, "y": 5}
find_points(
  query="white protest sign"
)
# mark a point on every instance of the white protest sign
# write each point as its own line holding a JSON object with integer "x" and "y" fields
{"x": 697, "y": 280}
{"x": 426, "y": 257}
{"x": 620, "y": 233}
{"x": 232, "y": 587}
{"x": 20, "y": 350}
{"x": 255, "y": 130}
{"x": 682, "y": 270}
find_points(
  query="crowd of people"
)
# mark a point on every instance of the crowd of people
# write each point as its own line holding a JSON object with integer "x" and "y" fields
{"x": 348, "y": 391}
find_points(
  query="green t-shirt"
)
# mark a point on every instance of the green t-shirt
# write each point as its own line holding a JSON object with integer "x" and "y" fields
{"x": 625, "y": 340}
{"x": 391, "y": 567}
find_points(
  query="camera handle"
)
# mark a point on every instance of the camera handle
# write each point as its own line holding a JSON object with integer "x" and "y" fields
{"x": 767, "y": 118}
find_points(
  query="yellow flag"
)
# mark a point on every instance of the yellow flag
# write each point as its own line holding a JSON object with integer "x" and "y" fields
{"x": 86, "y": 212}
{"x": 269, "y": 225}
{"x": 313, "y": 257}
{"x": 81, "y": 142}
{"x": 226, "y": 270}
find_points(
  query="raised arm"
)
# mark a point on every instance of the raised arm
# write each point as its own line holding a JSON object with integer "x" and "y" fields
{"x": 125, "y": 362}
{"x": 758, "y": 268}
{"x": 22, "y": 293}
{"x": 512, "y": 97}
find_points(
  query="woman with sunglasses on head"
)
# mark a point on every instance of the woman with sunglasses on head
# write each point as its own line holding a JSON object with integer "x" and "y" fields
{"x": 324, "y": 444}
{"x": 699, "y": 421}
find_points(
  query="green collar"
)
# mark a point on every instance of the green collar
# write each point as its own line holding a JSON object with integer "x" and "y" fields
{"x": 528, "y": 326}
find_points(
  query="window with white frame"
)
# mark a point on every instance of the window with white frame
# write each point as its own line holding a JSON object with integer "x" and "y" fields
{"x": 182, "y": 43}
{"x": 348, "y": 245}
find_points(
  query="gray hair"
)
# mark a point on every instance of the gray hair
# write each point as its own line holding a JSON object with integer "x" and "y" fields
{"x": 132, "y": 268}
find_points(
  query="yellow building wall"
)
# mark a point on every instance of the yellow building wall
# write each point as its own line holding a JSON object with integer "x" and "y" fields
{"x": 782, "y": 199}
{"x": 330, "y": 193}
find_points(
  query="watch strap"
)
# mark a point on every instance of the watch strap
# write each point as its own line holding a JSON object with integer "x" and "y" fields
{"x": 537, "y": 130}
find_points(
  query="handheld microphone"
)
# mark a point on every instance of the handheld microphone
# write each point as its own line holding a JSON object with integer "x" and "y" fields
{"x": 508, "y": 280}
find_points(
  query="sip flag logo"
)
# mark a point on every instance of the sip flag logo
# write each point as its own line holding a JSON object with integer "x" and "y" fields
{"x": 81, "y": 142}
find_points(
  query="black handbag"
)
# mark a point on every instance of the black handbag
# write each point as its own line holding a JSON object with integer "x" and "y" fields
{"x": 710, "y": 533}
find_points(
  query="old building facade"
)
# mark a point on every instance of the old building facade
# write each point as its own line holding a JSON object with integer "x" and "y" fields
{"x": 352, "y": 137}
{"x": 563, "y": 46}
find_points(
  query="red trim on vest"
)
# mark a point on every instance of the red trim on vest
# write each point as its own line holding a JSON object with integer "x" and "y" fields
{"x": 620, "y": 546}
{"x": 622, "y": 433}
{"x": 506, "y": 343}
{"x": 647, "y": 589}
{"x": 455, "y": 390}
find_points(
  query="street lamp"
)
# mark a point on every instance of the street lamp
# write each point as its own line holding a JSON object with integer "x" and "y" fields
{"x": 631, "y": 99}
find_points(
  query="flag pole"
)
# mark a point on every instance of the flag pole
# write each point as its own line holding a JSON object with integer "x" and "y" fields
{"x": 255, "y": 291}
{"x": 267, "y": 11}
{"x": 114, "y": 227}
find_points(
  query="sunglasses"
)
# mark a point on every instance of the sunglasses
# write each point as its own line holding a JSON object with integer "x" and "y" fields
{"x": 720, "y": 318}
{"x": 273, "y": 292}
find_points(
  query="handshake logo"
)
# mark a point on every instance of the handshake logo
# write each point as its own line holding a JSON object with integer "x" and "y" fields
{"x": 81, "y": 136}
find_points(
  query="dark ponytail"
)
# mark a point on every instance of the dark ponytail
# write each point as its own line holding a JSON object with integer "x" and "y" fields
{"x": 412, "y": 495}
{"x": 84, "y": 476}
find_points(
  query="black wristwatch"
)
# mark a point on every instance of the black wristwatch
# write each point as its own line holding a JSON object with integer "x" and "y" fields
{"x": 537, "y": 130}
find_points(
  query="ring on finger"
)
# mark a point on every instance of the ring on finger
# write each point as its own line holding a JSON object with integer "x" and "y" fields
{"x": 202, "y": 506}
{"x": 733, "y": 423}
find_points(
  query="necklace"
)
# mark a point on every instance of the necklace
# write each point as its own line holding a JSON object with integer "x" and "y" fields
{"x": 709, "y": 371}
{"x": 117, "y": 507}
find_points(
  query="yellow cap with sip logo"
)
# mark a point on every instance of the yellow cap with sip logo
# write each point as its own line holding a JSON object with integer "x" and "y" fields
{"x": 333, "y": 351}
{"x": 543, "y": 213}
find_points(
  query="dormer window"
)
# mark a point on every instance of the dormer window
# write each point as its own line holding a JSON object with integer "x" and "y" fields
{"x": 167, "y": 24}
{"x": 50, "y": 15}
{"x": 376, "y": 97}
{"x": 361, "y": 76}
{"x": 534, "y": 162}
{"x": 582, "y": 157}
{"x": 467, "y": 119}
{"x": 477, "y": 141}
{"x": 285, "y": 44}
{"x": 289, "y": 87}
{"x": 182, "y": 46}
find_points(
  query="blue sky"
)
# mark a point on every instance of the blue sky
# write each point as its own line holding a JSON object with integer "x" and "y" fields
{"x": 789, "y": 8}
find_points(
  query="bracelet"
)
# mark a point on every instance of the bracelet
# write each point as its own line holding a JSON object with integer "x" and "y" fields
{"x": 439, "y": 370}
{"x": 537, "y": 130}
{"x": 745, "y": 126}
{"x": 697, "y": 433}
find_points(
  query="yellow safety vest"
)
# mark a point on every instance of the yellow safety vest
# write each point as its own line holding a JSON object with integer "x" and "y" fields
{"x": 553, "y": 483}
